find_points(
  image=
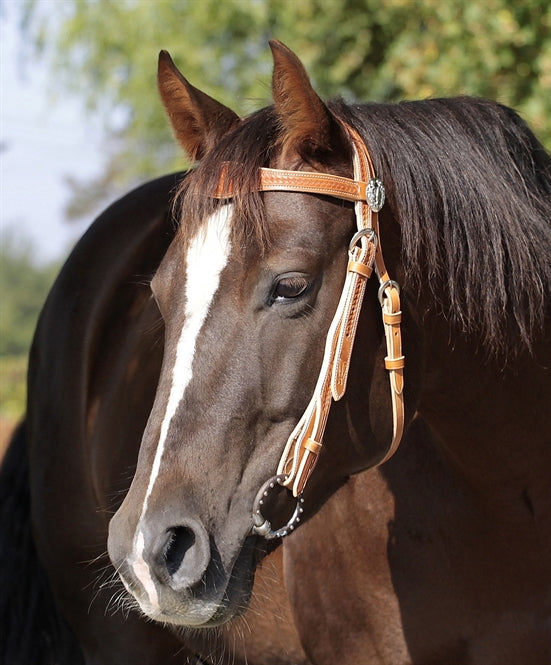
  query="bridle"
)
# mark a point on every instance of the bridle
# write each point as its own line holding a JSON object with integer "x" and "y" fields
{"x": 365, "y": 254}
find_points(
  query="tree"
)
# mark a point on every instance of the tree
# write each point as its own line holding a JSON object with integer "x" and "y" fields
{"x": 24, "y": 285}
{"x": 106, "y": 52}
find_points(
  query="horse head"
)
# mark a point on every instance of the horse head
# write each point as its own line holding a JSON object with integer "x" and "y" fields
{"x": 248, "y": 292}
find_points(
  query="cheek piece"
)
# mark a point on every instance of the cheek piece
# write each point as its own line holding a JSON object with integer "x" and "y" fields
{"x": 304, "y": 445}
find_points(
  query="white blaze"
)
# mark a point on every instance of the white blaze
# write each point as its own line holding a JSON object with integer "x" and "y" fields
{"x": 205, "y": 260}
{"x": 142, "y": 572}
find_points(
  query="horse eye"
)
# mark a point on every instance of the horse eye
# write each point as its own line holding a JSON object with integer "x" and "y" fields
{"x": 290, "y": 287}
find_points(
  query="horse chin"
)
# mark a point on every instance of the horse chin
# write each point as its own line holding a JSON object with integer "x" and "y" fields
{"x": 216, "y": 600}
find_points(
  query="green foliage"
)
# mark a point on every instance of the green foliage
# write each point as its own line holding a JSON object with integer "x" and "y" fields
{"x": 13, "y": 388}
{"x": 362, "y": 49}
{"x": 24, "y": 286}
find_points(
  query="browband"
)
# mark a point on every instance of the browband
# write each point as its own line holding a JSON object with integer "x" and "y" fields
{"x": 365, "y": 254}
{"x": 279, "y": 180}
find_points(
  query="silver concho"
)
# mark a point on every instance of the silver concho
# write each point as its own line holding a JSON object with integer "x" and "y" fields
{"x": 375, "y": 194}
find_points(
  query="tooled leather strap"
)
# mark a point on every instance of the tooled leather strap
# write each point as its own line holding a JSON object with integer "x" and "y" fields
{"x": 389, "y": 298}
{"x": 278, "y": 180}
{"x": 305, "y": 443}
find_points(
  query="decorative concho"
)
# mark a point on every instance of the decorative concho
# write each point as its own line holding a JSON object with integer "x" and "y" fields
{"x": 375, "y": 194}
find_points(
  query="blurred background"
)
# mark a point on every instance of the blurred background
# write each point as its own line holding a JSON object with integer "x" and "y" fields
{"x": 80, "y": 120}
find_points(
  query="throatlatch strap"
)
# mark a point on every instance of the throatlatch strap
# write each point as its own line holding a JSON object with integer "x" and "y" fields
{"x": 365, "y": 254}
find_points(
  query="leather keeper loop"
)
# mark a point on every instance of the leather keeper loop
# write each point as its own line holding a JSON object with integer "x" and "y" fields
{"x": 313, "y": 446}
{"x": 395, "y": 363}
{"x": 360, "y": 268}
{"x": 392, "y": 318}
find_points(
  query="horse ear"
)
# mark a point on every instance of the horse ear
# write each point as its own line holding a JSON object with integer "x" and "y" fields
{"x": 309, "y": 127}
{"x": 198, "y": 120}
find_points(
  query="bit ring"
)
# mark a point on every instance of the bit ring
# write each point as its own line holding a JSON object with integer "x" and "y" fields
{"x": 262, "y": 526}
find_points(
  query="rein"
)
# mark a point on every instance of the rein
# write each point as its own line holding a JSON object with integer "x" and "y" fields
{"x": 365, "y": 254}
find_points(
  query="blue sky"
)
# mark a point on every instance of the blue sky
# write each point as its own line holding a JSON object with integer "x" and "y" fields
{"x": 42, "y": 142}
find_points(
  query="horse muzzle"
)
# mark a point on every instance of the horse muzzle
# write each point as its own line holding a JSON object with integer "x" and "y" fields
{"x": 177, "y": 575}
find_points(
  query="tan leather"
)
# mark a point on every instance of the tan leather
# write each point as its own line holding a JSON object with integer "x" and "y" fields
{"x": 305, "y": 443}
{"x": 312, "y": 446}
{"x": 395, "y": 363}
{"x": 278, "y": 180}
{"x": 362, "y": 269}
{"x": 392, "y": 318}
{"x": 314, "y": 183}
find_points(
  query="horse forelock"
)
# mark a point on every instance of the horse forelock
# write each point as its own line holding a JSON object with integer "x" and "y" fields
{"x": 468, "y": 183}
{"x": 249, "y": 146}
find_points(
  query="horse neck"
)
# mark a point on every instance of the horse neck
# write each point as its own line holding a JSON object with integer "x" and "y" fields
{"x": 491, "y": 416}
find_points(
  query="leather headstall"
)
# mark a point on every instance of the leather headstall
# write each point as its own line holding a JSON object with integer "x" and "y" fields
{"x": 365, "y": 254}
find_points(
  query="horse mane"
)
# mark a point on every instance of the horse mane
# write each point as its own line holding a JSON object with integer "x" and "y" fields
{"x": 466, "y": 179}
{"x": 470, "y": 186}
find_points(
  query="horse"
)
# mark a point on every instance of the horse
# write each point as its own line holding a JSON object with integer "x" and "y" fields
{"x": 318, "y": 380}
{"x": 74, "y": 456}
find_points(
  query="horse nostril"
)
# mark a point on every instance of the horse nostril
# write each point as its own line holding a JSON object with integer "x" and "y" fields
{"x": 180, "y": 540}
{"x": 183, "y": 555}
